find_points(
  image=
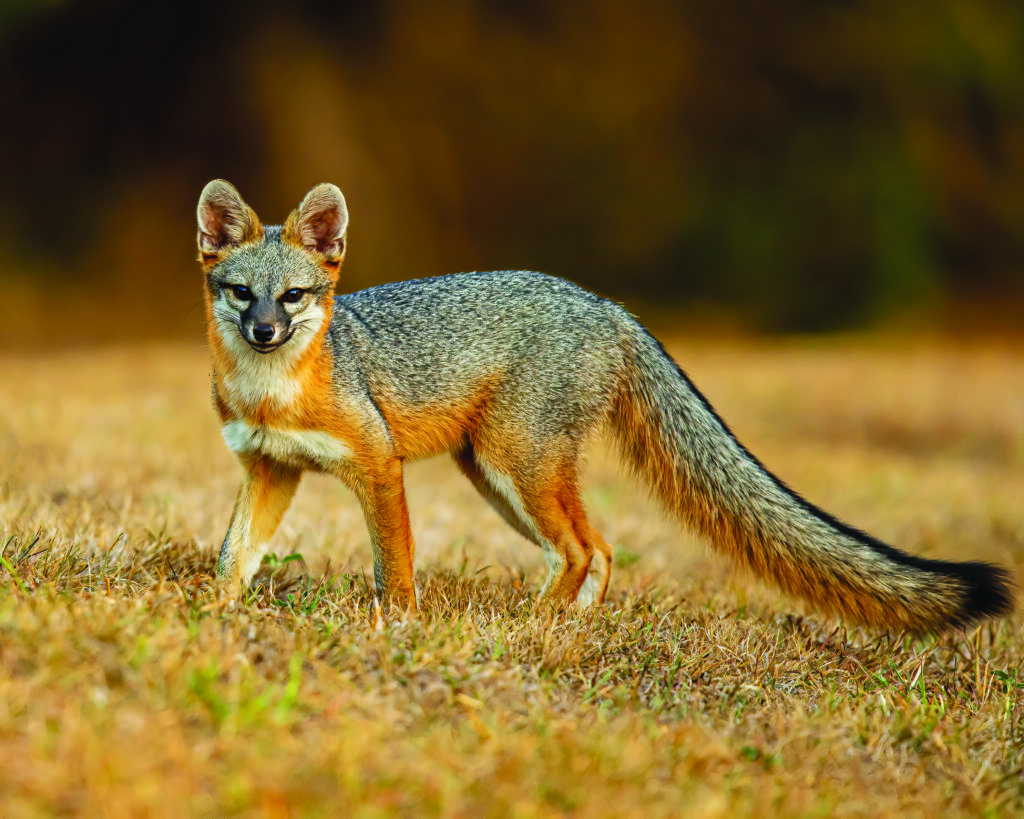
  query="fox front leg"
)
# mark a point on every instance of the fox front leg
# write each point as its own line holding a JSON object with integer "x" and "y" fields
{"x": 266, "y": 492}
{"x": 382, "y": 495}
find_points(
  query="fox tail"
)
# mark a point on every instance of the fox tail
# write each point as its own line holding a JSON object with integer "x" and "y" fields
{"x": 673, "y": 438}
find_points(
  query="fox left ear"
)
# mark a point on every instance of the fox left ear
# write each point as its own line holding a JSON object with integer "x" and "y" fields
{"x": 319, "y": 224}
{"x": 225, "y": 222}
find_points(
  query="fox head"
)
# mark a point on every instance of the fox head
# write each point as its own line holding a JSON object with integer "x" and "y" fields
{"x": 270, "y": 287}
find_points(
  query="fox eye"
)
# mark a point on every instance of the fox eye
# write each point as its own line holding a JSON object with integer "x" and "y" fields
{"x": 241, "y": 292}
{"x": 293, "y": 295}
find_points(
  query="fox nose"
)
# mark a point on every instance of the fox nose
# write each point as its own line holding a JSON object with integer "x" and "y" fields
{"x": 263, "y": 332}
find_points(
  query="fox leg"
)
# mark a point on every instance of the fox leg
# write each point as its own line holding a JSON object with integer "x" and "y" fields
{"x": 465, "y": 458}
{"x": 382, "y": 495}
{"x": 554, "y": 507}
{"x": 595, "y": 585}
{"x": 537, "y": 495}
{"x": 263, "y": 498}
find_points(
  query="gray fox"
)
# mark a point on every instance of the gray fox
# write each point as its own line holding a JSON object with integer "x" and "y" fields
{"x": 510, "y": 372}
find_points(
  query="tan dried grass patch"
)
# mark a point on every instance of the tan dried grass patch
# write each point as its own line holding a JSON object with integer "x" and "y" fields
{"x": 127, "y": 686}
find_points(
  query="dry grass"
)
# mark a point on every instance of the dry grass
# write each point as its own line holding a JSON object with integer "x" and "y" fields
{"x": 128, "y": 687}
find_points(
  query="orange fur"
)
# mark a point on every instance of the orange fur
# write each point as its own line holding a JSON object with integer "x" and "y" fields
{"x": 595, "y": 544}
{"x": 555, "y": 507}
{"x": 223, "y": 361}
{"x": 223, "y": 410}
{"x": 387, "y": 517}
{"x": 432, "y": 429}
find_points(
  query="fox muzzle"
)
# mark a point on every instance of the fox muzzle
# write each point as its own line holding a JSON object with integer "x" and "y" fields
{"x": 265, "y": 325}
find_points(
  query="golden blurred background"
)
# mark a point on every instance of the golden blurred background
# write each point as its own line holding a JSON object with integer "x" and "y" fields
{"x": 787, "y": 166}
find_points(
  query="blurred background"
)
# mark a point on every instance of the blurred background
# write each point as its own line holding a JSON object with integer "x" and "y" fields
{"x": 792, "y": 166}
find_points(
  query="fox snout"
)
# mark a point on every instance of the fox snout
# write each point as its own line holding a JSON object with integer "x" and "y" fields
{"x": 265, "y": 326}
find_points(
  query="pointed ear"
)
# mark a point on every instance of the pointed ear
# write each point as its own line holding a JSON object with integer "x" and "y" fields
{"x": 225, "y": 222}
{"x": 318, "y": 225}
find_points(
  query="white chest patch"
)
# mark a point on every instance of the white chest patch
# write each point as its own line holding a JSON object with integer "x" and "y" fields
{"x": 307, "y": 448}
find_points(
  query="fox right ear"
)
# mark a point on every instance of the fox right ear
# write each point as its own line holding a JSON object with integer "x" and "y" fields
{"x": 319, "y": 224}
{"x": 225, "y": 222}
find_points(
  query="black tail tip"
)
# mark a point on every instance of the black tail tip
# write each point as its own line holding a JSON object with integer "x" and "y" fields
{"x": 990, "y": 592}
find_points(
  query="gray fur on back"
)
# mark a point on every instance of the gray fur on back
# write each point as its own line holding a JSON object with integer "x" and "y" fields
{"x": 556, "y": 347}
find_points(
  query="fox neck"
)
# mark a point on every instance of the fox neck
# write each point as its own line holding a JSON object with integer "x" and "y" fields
{"x": 278, "y": 388}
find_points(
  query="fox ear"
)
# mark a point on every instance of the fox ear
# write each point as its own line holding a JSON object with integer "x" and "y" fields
{"x": 225, "y": 221}
{"x": 319, "y": 224}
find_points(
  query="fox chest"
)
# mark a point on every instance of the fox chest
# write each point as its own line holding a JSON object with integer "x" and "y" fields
{"x": 305, "y": 448}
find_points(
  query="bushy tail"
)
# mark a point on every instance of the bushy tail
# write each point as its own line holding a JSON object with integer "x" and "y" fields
{"x": 672, "y": 436}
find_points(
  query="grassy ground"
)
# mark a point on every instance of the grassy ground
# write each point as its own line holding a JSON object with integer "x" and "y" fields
{"x": 128, "y": 687}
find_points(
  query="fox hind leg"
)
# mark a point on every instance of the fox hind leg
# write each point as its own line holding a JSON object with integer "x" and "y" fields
{"x": 578, "y": 569}
{"x": 595, "y": 586}
{"x": 544, "y": 506}
{"x": 513, "y": 514}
